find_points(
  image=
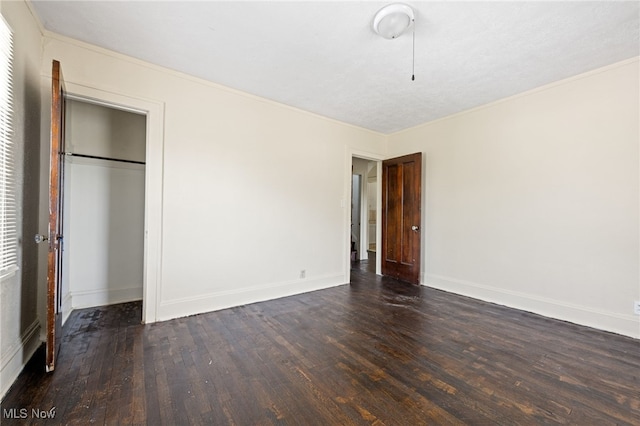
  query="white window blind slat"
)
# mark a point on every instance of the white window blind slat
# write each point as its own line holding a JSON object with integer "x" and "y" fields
{"x": 8, "y": 205}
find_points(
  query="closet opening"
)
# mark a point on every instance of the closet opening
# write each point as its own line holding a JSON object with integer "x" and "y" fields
{"x": 104, "y": 206}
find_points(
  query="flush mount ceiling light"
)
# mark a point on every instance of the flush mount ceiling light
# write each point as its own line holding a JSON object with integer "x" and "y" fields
{"x": 393, "y": 20}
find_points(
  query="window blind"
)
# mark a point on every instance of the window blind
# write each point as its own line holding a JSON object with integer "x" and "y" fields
{"x": 8, "y": 206}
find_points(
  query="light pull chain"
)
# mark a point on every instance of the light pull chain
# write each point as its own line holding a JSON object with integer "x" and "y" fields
{"x": 413, "y": 64}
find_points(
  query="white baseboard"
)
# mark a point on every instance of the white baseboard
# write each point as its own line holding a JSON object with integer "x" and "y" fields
{"x": 627, "y": 325}
{"x": 67, "y": 307}
{"x": 91, "y": 298}
{"x": 229, "y": 298}
{"x": 16, "y": 357}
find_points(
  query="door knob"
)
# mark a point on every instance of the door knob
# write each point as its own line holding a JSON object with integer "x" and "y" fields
{"x": 41, "y": 238}
{"x": 415, "y": 228}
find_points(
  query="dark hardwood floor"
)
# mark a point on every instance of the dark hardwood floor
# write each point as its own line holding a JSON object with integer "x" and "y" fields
{"x": 376, "y": 351}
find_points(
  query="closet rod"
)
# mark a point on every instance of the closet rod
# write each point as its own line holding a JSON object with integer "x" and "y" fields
{"x": 71, "y": 154}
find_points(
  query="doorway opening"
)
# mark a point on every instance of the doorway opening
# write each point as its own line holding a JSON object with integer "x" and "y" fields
{"x": 104, "y": 205}
{"x": 365, "y": 210}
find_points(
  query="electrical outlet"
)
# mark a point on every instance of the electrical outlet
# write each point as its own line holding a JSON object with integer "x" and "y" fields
{"x": 636, "y": 307}
{"x": 303, "y": 273}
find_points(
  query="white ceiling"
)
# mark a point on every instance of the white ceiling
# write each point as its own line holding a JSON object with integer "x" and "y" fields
{"x": 324, "y": 57}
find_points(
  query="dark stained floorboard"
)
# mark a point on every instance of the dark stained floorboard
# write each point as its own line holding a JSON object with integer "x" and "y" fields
{"x": 376, "y": 352}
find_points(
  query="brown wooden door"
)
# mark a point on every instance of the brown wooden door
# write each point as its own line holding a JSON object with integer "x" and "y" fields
{"x": 56, "y": 174}
{"x": 401, "y": 206}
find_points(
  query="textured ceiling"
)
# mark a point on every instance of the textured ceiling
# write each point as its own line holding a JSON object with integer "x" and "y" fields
{"x": 324, "y": 57}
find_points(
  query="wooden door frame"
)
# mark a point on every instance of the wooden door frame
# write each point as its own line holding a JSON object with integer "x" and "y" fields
{"x": 370, "y": 156}
{"x": 154, "y": 112}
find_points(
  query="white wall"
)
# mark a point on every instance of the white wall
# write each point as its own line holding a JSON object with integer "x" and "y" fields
{"x": 105, "y": 132}
{"x": 246, "y": 184}
{"x": 532, "y": 202}
{"x": 104, "y": 223}
{"x": 19, "y": 326}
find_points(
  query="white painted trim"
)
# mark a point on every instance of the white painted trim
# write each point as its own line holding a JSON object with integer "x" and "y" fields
{"x": 230, "y": 298}
{"x": 627, "y": 325}
{"x": 154, "y": 175}
{"x": 67, "y": 307}
{"x": 91, "y": 298}
{"x": 17, "y": 355}
{"x": 379, "y": 219}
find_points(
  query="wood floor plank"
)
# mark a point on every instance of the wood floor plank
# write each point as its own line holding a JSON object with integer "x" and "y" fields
{"x": 376, "y": 352}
